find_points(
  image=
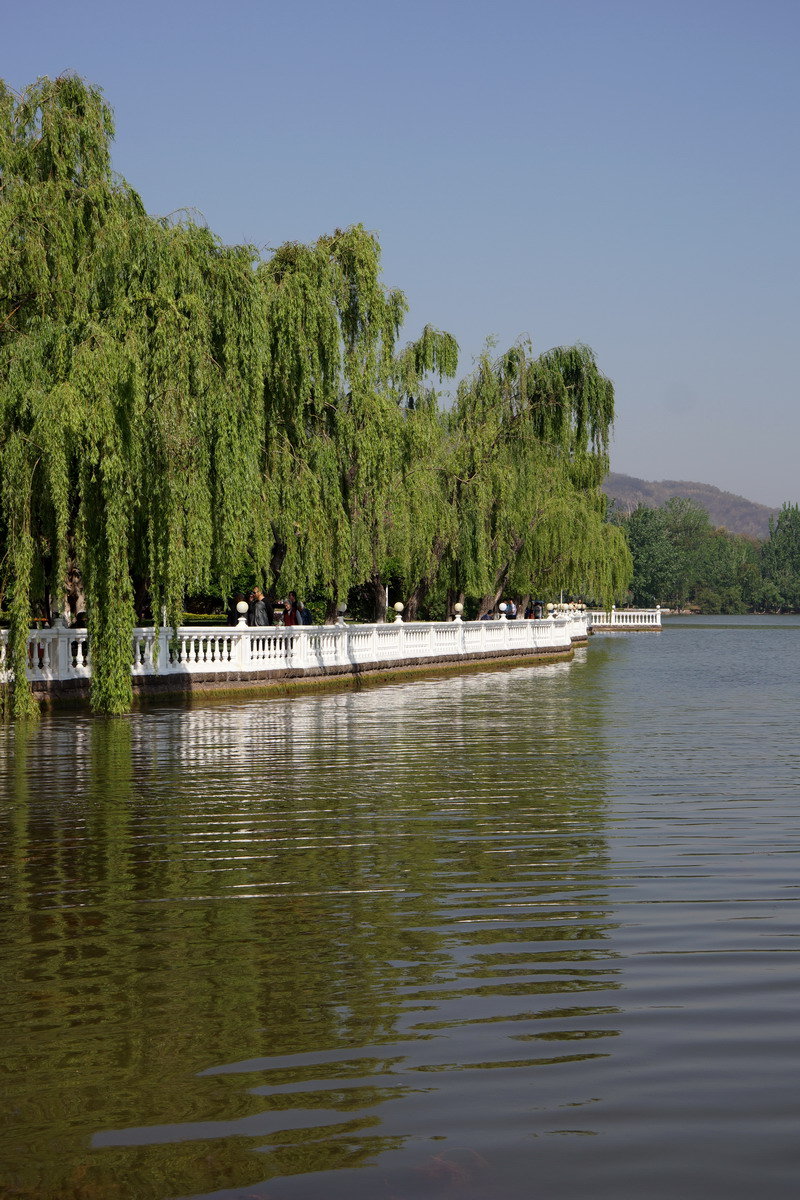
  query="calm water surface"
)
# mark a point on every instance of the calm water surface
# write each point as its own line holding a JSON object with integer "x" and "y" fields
{"x": 530, "y": 933}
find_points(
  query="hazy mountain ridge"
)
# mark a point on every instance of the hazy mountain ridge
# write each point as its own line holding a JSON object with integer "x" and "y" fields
{"x": 725, "y": 509}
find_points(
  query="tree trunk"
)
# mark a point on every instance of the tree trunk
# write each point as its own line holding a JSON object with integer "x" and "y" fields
{"x": 332, "y": 607}
{"x": 378, "y": 589}
{"x": 491, "y": 598}
{"x": 415, "y": 598}
{"x": 453, "y": 598}
{"x": 75, "y": 595}
{"x": 418, "y": 594}
{"x": 276, "y": 559}
{"x": 489, "y": 602}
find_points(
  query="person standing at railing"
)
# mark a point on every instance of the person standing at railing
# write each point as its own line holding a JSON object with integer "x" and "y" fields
{"x": 257, "y": 612}
{"x": 290, "y": 613}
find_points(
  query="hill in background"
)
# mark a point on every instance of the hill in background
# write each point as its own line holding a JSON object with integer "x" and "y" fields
{"x": 733, "y": 513}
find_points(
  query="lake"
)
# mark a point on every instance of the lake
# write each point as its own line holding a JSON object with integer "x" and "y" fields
{"x": 521, "y": 933}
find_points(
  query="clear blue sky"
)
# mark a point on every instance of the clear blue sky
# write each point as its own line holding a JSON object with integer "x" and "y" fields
{"x": 621, "y": 173}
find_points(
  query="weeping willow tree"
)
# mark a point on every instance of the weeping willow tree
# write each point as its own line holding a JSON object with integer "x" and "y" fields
{"x": 175, "y": 412}
{"x": 131, "y": 401}
{"x": 331, "y": 328}
{"x": 418, "y": 520}
{"x": 337, "y": 397}
{"x": 529, "y": 452}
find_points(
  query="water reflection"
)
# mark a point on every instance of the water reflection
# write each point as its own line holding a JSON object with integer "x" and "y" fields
{"x": 256, "y": 941}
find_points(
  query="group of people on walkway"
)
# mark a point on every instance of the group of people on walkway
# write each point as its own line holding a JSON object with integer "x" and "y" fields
{"x": 534, "y": 611}
{"x": 290, "y": 611}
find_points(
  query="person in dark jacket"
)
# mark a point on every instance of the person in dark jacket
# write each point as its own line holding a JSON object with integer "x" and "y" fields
{"x": 257, "y": 614}
{"x": 303, "y": 615}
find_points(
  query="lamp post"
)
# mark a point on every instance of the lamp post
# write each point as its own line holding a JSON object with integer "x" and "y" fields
{"x": 398, "y": 608}
{"x": 341, "y": 609}
{"x": 503, "y": 609}
{"x": 458, "y": 610}
{"x": 241, "y": 608}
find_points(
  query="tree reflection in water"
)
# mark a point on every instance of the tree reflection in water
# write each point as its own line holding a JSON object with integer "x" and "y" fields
{"x": 312, "y": 928}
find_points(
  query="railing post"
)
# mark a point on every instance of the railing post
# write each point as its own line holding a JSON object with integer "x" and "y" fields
{"x": 162, "y": 663}
{"x": 341, "y": 645}
{"x": 241, "y": 647}
{"x": 299, "y": 648}
{"x": 62, "y": 663}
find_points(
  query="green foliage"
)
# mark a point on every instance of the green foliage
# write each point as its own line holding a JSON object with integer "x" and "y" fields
{"x": 781, "y": 560}
{"x": 131, "y": 397}
{"x": 655, "y": 560}
{"x": 529, "y": 450}
{"x": 680, "y": 560}
{"x": 177, "y": 415}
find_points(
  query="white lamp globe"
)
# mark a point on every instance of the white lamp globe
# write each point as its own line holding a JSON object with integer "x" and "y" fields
{"x": 398, "y": 606}
{"x": 241, "y": 607}
{"x": 459, "y": 608}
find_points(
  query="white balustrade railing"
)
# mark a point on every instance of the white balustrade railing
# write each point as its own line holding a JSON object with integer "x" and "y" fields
{"x": 627, "y": 618}
{"x": 65, "y": 654}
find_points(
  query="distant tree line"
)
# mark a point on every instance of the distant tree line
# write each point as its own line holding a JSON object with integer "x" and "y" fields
{"x": 680, "y": 560}
{"x": 177, "y": 414}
